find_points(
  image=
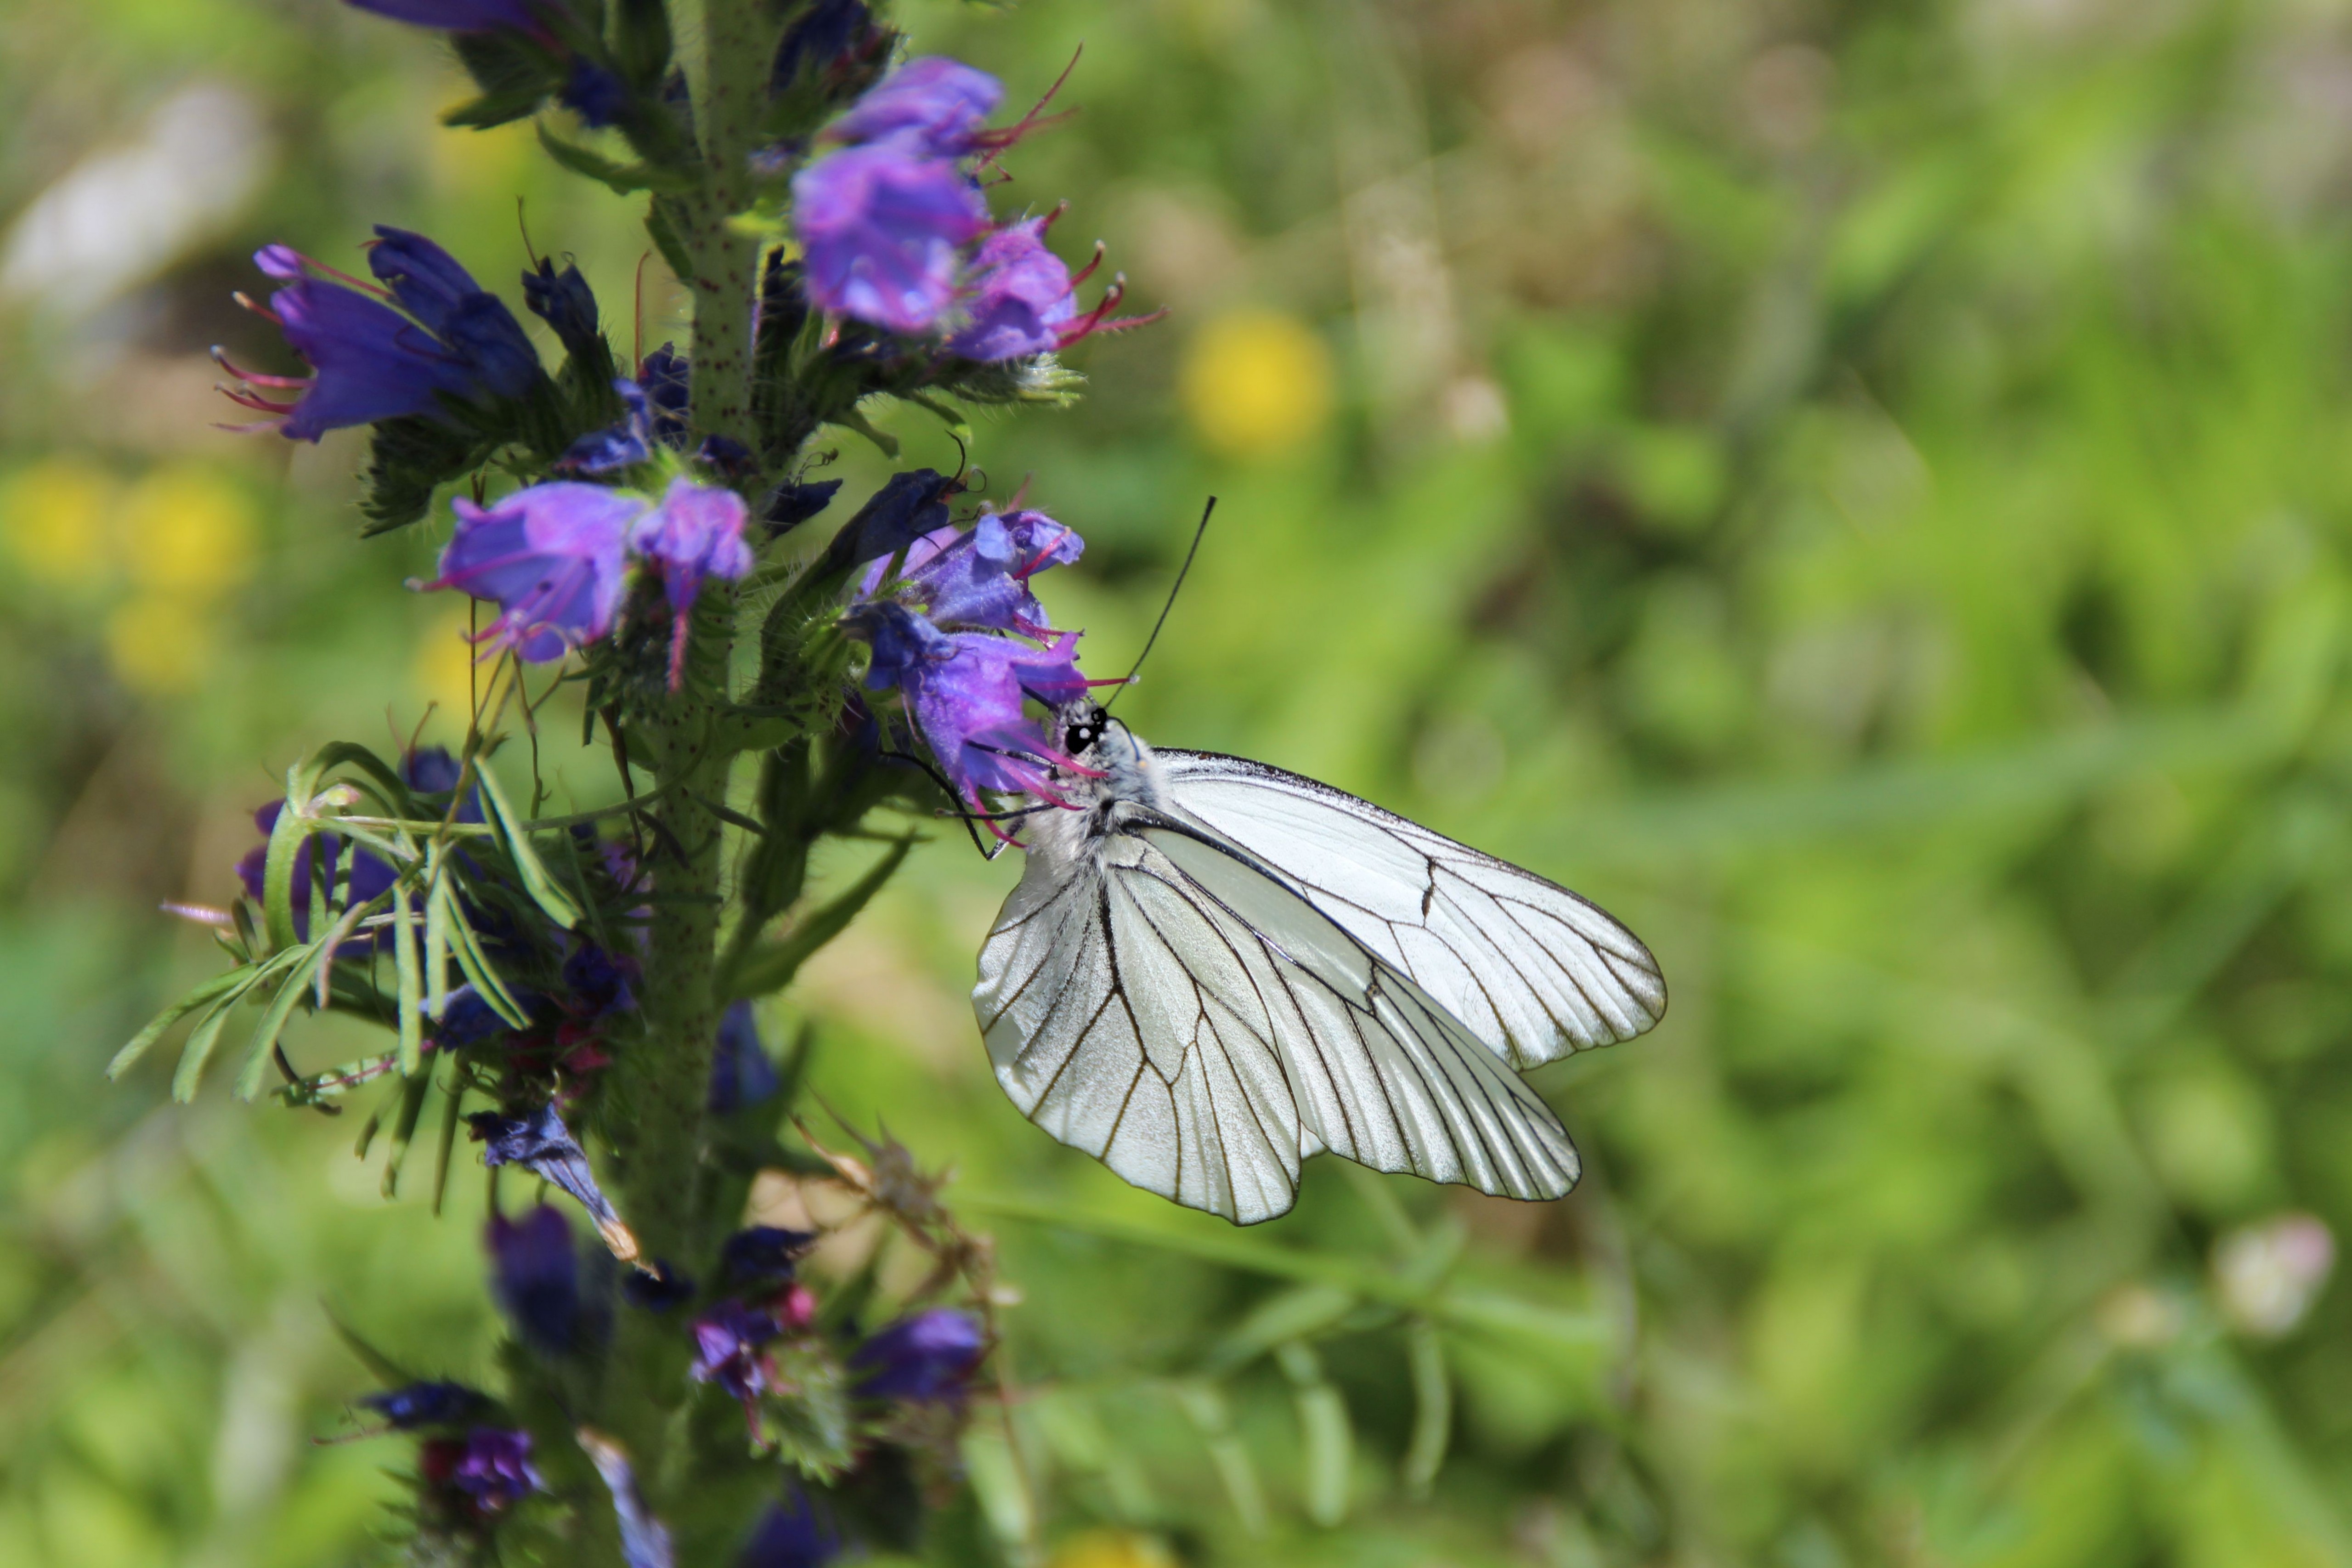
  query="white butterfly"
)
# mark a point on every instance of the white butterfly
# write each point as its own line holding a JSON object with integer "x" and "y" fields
{"x": 1216, "y": 969}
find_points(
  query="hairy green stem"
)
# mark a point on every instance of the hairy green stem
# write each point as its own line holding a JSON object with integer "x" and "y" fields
{"x": 663, "y": 1085}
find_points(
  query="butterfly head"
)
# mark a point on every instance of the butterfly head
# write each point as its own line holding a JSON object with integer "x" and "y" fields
{"x": 1083, "y": 728}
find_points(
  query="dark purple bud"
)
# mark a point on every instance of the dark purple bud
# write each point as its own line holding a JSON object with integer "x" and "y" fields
{"x": 456, "y": 15}
{"x": 740, "y": 1072}
{"x": 426, "y": 1405}
{"x": 928, "y": 1356}
{"x": 793, "y": 1534}
{"x": 597, "y": 982}
{"x": 731, "y": 457}
{"x": 824, "y": 36}
{"x": 666, "y": 377}
{"x": 661, "y": 1289}
{"x": 789, "y": 505}
{"x": 727, "y": 1341}
{"x": 541, "y": 1143}
{"x": 913, "y": 503}
{"x": 606, "y": 451}
{"x": 564, "y": 301}
{"x": 467, "y": 1019}
{"x": 535, "y": 1274}
{"x": 593, "y": 93}
{"x": 762, "y": 1254}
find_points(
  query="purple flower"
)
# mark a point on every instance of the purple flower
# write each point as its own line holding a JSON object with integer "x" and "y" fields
{"x": 426, "y": 1405}
{"x": 371, "y": 361}
{"x": 490, "y": 1467}
{"x": 553, "y": 557}
{"x": 457, "y": 15}
{"x": 792, "y": 1535}
{"x": 763, "y": 1255}
{"x": 934, "y": 104}
{"x": 696, "y": 532}
{"x": 964, "y": 692}
{"x": 926, "y": 1356}
{"x": 981, "y": 578}
{"x": 541, "y": 1144}
{"x": 535, "y": 1275}
{"x": 740, "y": 1072}
{"x": 881, "y": 226}
{"x": 727, "y": 1341}
{"x": 1019, "y": 298}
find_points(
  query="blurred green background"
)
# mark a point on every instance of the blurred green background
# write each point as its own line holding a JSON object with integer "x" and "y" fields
{"x": 1862, "y": 492}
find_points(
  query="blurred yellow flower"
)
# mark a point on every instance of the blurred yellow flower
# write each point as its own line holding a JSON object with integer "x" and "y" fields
{"x": 1111, "y": 1548}
{"x": 443, "y": 670}
{"x": 187, "y": 529}
{"x": 55, "y": 514}
{"x": 1255, "y": 383}
{"x": 160, "y": 645}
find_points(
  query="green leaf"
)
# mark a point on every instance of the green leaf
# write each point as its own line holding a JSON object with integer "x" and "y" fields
{"x": 199, "y": 1048}
{"x": 410, "y": 968}
{"x": 545, "y": 890}
{"x": 770, "y": 966}
{"x": 437, "y": 932}
{"x": 852, "y": 419}
{"x": 1205, "y": 1406}
{"x": 1326, "y": 1439}
{"x": 403, "y": 1129}
{"x": 620, "y": 179}
{"x": 1432, "y": 1406}
{"x": 293, "y": 989}
{"x": 386, "y": 1371}
{"x": 453, "y": 1099}
{"x": 144, "y": 1040}
{"x": 661, "y": 227}
{"x": 1282, "y": 1317}
{"x": 471, "y": 959}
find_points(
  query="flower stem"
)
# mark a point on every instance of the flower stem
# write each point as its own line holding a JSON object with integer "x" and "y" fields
{"x": 662, "y": 1087}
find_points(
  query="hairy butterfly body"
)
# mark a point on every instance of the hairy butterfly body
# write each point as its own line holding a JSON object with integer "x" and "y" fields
{"x": 1213, "y": 970}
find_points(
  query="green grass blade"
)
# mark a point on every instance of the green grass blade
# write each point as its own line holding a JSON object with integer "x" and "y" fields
{"x": 409, "y": 970}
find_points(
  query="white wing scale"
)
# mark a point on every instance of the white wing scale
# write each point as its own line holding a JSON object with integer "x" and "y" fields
{"x": 1170, "y": 1007}
{"x": 1530, "y": 968}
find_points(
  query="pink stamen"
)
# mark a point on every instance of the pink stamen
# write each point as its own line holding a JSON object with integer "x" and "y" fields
{"x": 1082, "y": 273}
{"x": 220, "y": 358}
{"x": 263, "y": 312}
{"x": 254, "y": 401}
{"x": 255, "y": 428}
{"x": 998, "y": 141}
{"x": 377, "y": 290}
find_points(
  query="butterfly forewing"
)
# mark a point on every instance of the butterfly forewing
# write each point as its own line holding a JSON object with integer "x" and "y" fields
{"x": 1161, "y": 1002}
{"x": 1528, "y": 967}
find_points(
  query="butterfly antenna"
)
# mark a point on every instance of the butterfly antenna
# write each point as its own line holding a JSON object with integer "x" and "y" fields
{"x": 1207, "y": 512}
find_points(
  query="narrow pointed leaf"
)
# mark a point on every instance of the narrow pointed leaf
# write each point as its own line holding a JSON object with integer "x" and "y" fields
{"x": 410, "y": 968}
{"x": 770, "y": 966}
{"x": 545, "y": 890}
{"x": 144, "y": 1040}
